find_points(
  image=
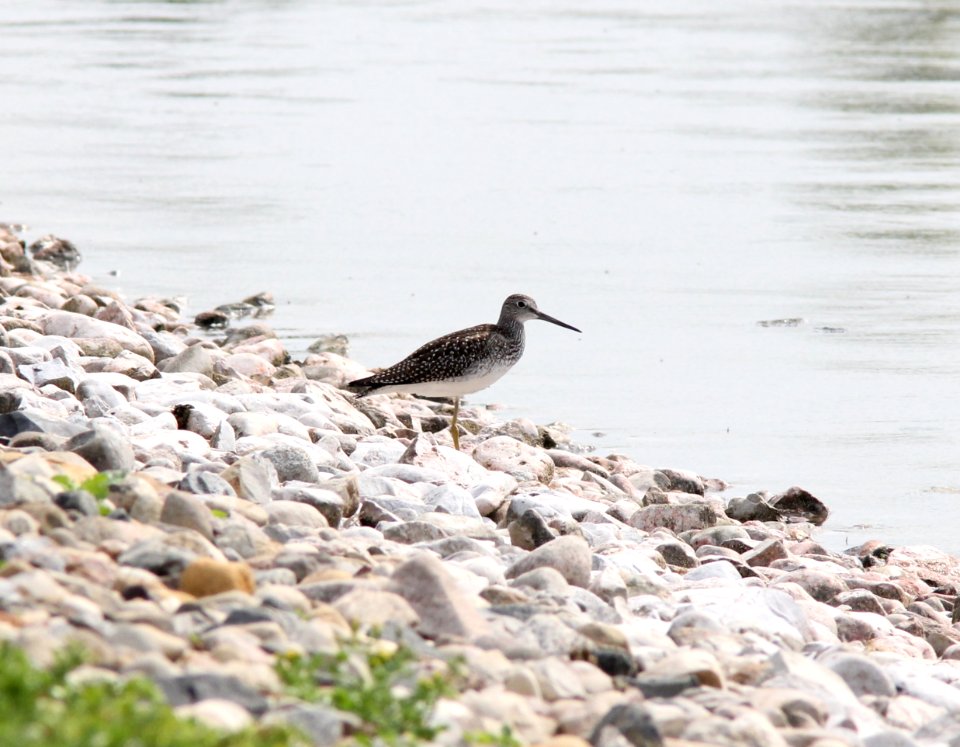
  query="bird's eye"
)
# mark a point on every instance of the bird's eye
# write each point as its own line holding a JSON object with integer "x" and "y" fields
{"x": 521, "y": 304}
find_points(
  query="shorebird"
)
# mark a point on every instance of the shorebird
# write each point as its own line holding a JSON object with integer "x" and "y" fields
{"x": 462, "y": 362}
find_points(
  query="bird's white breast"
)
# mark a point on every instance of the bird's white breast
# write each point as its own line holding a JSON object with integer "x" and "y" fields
{"x": 451, "y": 387}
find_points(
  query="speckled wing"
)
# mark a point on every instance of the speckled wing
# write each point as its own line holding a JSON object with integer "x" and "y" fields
{"x": 452, "y": 356}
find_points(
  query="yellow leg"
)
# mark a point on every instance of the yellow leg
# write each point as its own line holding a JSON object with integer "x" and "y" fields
{"x": 454, "y": 431}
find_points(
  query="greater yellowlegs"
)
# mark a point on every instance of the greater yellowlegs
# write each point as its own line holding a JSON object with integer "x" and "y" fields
{"x": 462, "y": 362}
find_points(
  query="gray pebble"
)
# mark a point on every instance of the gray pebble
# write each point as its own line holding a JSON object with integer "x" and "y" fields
{"x": 104, "y": 447}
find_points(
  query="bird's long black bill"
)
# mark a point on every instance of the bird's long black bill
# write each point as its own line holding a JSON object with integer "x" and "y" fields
{"x": 548, "y": 318}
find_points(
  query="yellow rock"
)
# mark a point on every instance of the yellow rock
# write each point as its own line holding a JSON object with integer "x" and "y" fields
{"x": 205, "y": 576}
{"x": 327, "y": 574}
{"x": 72, "y": 465}
{"x": 605, "y": 635}
{"x": 329, "y": 614}
{"x": 701, "y": 664}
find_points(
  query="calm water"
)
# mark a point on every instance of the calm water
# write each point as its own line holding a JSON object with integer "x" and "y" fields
{"x": 664, "y": 175}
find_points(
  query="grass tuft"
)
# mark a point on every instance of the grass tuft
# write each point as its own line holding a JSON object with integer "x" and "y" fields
{"x": 41, "y": 708}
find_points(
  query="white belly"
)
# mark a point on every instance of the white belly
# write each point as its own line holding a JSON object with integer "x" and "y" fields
{"x": 452, "y": 388}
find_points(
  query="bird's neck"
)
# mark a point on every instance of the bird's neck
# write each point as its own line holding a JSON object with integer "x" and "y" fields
{"x": 511, "y": 328}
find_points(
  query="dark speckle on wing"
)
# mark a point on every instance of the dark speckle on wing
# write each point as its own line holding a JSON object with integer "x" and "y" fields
{"x": 467, "y": 352}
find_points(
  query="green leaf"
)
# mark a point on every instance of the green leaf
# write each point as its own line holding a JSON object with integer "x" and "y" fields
{"x": 99, "y": 485}
{"x": 41, "y": 708}
{"x": 65, "y": 482}
{"x": 383, "y": 687}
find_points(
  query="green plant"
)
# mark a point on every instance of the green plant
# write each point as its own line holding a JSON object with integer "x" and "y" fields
{"x": 504, "y": 738}
{"x": 42, "y": 708}
{"x": 378, "y": 682}
{"x": 98, "y": 485}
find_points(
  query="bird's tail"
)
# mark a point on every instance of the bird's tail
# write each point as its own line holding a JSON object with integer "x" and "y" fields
{"x": 362, "y": 387}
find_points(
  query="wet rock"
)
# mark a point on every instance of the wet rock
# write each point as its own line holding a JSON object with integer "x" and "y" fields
{"x": 330, "y": 344}
{"x": 682, "y": 481}
{"x": 61, "y": 252}
{"x": 212, "y": 319}
{"x": 799, "y": 503}
{"x": 753, "y": 507}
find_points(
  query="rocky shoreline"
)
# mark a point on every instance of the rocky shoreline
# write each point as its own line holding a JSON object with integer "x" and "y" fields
{"x": 194, "y": 510}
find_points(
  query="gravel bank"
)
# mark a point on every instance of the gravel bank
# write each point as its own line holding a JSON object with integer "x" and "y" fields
{"x": 253, "y": 509}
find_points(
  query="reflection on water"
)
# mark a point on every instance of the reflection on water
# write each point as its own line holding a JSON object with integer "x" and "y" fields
{"x": 664, "y": 175}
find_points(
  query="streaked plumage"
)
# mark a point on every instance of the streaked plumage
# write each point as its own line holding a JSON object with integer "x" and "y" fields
{"x": 462, "y": 362}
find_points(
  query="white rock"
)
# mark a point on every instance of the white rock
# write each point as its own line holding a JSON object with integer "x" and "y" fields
{"x": 28, "y": 355}
{"x": 524, "y": 462}
{"x": 550, "y": 503}
{"x": 216, "y": 713}
{"x": 69, "y": 324}
{"x": 374, "y": 451}
{"x": 490, "y": 493}
{"x": 293, "y": 513}
{"x": 451, "y": 499}
{"x": 769, "y": 612}
{"x": 180, "y": 441}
